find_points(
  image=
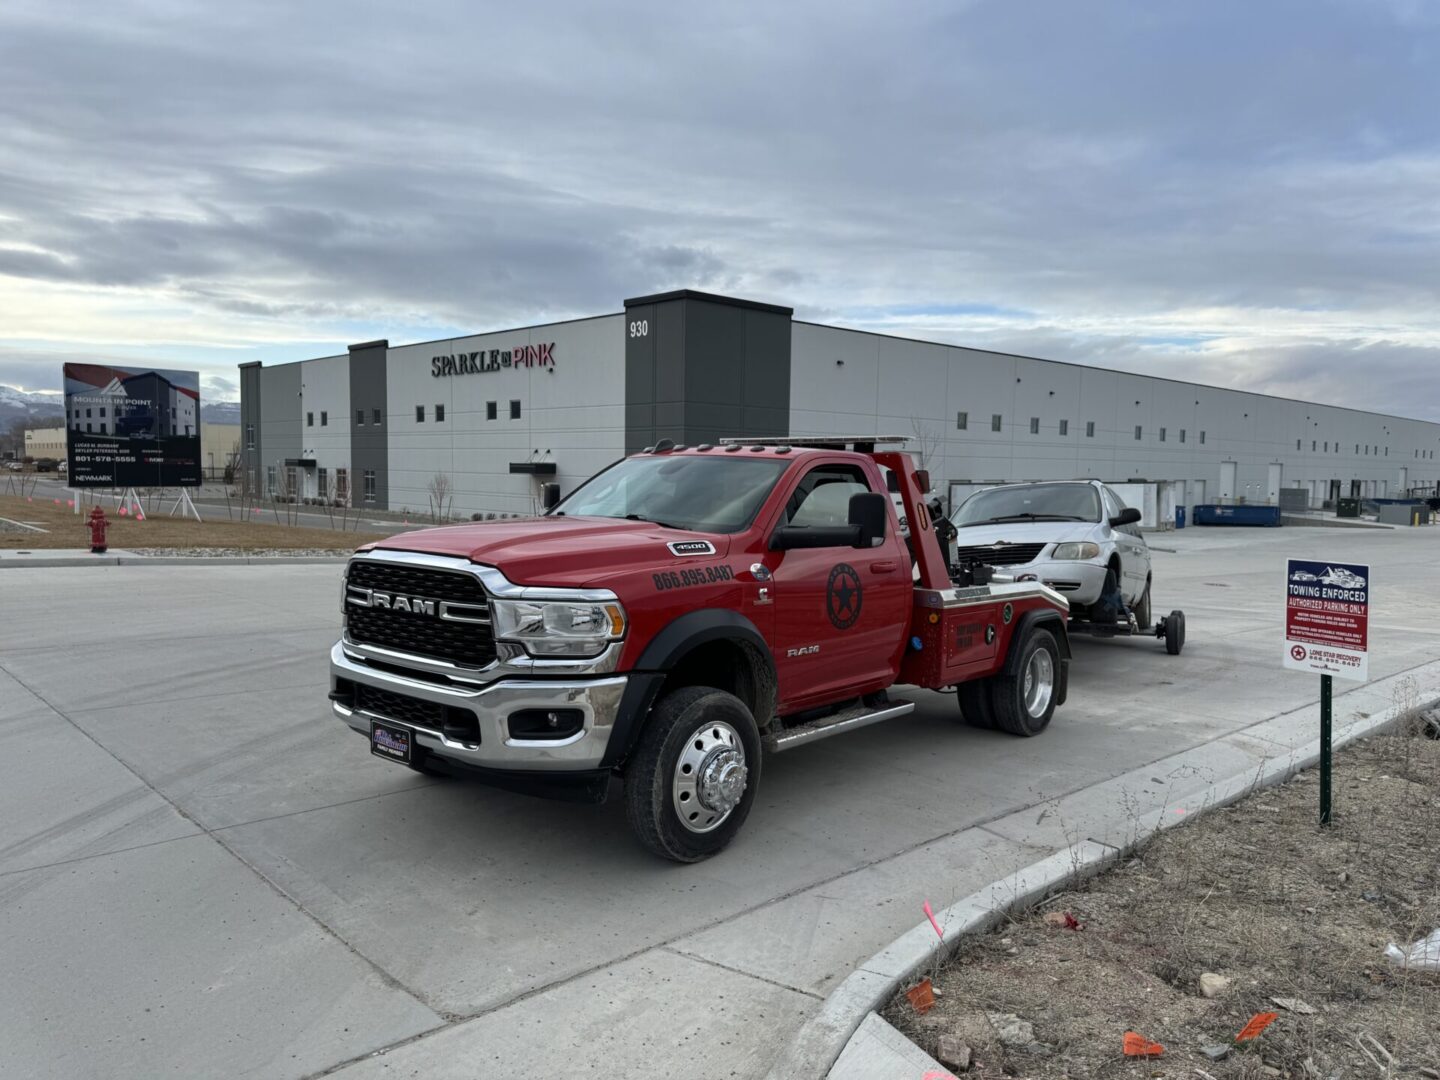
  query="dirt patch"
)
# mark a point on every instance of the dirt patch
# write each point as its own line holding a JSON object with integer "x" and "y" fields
{"x": 67, "y": 530}
{"x": 1257, "y": 894}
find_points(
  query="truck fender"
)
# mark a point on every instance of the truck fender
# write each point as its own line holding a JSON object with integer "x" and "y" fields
{"x": 1043, "y": 619}
{"x": 666, "y": 651}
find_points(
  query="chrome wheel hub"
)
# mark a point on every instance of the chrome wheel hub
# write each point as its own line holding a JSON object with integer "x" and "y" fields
{"x": 1039, "y": 684}
{"x": 710, "y": 777}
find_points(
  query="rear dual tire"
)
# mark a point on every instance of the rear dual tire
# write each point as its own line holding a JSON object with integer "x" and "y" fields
{"x": 1021, "y": 703}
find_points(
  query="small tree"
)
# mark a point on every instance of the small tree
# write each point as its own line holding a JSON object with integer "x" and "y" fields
{"x": 926, "y": 444}
{"x": 440, "y": 497}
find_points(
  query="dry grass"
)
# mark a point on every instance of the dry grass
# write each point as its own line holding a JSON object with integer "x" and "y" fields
{"x": 1258, "y": 893}
{"x": 67, "y": 530}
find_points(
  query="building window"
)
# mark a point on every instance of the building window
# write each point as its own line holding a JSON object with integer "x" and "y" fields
{"x": 324, "y": 419}
{"x": 962, "y": 421}
{"x": 995, "y": 422}
{"x": 375, "y": 417}
{"x": 1297, "y": 444}
{"x": 490, "y": 410}
{"x": 249, "y": 436}
{"x": 102, "y": 412}
{"x": 1162, "y": 434}
{"x": 102, "y": 428}
{"x": 87, "y": 427}
{"x": 322, "y": 483}
{"x": 439, "y": 414}
{"x": 1064, "y": 427}
{"x": 1139, "y": 431}
{"x": 514, "y": 410}
{"x": 1357, "y": 449}
{"x": 270, "y": 481}
{"x": 87, "y": 414}
{"x": 1327, "y": 448}
{"x": 1034, "y": 425}
{"x": 309, "y": 419}
{"x": 1182, "y": 434}
{"x": 1202, "y": 438}
{"x": 359, "y": 417}
{"x": 369, "y": 479}
{"x": 342, "y": 485}
{"x": 1089, "y": 429}
{"x": 419, "y": 414}
{"x": 1313, "y": 446}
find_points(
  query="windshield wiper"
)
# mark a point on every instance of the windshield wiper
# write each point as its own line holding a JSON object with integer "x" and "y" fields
{"x": 1023, "y": 517}
{"x": 650, "y": 521}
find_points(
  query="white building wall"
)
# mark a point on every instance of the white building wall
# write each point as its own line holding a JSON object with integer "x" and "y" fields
{"x": 846, "y": 382}
{"x": 325, "y": 421}
{"x": 572, "y": 412}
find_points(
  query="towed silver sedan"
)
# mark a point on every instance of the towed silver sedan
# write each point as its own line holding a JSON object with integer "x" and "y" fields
{"x": 1077, "y": 536}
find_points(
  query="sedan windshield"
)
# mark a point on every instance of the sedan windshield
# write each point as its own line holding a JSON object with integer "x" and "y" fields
{"x": 720, "y": 494}
{"x": 1032, "y": 502}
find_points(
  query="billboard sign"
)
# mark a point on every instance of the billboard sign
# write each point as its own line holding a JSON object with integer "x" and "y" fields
{"x": 132, "y": 427}
{"x": 1327, "y": 618}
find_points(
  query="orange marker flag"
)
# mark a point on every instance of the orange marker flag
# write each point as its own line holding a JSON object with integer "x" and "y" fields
{"x": 1136, "y": 1045}
{"x": 1258, "y": 1023}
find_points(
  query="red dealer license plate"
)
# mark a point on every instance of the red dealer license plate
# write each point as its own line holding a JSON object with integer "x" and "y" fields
{"x": 391, "y": 742}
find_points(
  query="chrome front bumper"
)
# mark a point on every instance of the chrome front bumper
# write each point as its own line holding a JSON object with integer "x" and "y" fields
{"x": 598, "y": 699}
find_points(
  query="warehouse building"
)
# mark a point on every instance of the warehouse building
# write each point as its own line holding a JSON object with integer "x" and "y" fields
{"x": 494, "y": 416}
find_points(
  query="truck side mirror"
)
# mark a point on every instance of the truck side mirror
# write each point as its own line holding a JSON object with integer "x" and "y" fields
{"x": 869, "y": 512}
{"x": 549, "y": 496}
{"x": 1128, "y": 516}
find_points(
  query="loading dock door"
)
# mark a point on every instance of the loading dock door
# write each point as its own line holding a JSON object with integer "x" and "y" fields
{"x": 1227, "y": 482}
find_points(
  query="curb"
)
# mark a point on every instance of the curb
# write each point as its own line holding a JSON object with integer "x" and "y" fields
{"x": 819, "y": 1043}
{"x": 173, "y": 560}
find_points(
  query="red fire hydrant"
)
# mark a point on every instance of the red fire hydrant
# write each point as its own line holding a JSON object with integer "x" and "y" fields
{"x": 98, "y": 525}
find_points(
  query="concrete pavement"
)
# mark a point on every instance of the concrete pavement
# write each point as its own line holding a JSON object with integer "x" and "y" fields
{"x": 216, "y": 878}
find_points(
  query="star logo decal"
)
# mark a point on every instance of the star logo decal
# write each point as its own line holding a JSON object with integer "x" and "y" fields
{"x": 842, "y": 596}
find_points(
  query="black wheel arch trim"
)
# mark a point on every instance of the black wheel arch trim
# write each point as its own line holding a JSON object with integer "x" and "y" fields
{"x": 665, "y": 652}
{"x": 1042, "y": 619}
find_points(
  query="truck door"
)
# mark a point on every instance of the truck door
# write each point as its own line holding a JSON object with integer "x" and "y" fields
{"x": 842, "y": 613}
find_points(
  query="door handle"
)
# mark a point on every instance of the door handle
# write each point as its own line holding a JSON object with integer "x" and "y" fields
{"x": 885, "y": 566}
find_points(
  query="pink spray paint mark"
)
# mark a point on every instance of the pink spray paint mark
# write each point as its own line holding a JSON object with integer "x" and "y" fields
{"x": 931, "y": 916}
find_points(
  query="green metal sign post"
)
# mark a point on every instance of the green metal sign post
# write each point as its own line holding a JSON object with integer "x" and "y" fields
{"x": 1324, "y": 749}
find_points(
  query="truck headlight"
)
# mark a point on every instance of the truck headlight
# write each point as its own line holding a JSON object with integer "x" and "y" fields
{"x": 1075, "y": 552}
{"x": 558, "y": 627}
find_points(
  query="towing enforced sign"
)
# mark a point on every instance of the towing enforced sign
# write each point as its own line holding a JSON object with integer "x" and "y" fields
{"x": 1327, "y": 618}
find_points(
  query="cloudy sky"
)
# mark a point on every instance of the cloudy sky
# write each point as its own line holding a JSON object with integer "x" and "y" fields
{"x": 1241, "y": 193}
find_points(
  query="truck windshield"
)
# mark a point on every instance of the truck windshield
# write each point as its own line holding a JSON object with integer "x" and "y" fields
{"x": 1032, "y": 502}
{"x": 705, "y": 494}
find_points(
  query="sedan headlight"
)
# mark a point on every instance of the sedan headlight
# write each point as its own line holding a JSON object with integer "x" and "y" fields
{"x": 558, "y": 627}
{"x": 1075, "y": 552}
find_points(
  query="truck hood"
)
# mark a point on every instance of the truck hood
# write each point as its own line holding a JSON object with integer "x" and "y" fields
{"x": 571, "y": 552}
{"x": 1028, "y": 532}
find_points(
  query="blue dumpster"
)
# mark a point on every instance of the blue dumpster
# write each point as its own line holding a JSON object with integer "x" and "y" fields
{"x": 1179, "y": 517}
{"x": 1237, "y": 515}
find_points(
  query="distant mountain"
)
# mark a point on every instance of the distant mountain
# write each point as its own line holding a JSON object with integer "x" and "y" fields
{"x": 29, "y": 406}
{"x": 36, "y": 407}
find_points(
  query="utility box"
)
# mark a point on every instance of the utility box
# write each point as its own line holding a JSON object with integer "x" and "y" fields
{"x": 1414, "y": 513}
{"x": 1347, "y": 508}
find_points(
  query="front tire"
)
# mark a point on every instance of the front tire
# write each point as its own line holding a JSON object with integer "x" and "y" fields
{"x": 1025, "y": 701}
{"x": 694, "y": 774}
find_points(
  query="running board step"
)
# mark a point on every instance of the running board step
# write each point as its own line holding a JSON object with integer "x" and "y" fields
{"x": 850, "y": 719}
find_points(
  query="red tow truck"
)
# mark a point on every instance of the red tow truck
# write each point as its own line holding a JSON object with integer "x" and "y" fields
{"x": 679, "y": 615}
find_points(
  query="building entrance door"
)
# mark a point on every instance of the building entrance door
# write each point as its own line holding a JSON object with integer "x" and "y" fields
{"x": 1272, "y": 486}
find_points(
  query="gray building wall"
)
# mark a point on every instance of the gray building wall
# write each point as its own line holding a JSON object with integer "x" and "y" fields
{"x": 369, "y": 439}
{"x": 250, "y": 446}
{"x": 846, "y": 381}
{"x": 327, "y": 419}
{"x": 700, "y": 367}
{"x": 279, "y": 430}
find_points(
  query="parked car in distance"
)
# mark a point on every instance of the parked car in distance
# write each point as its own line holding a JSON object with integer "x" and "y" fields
{"x": 1076, "y": 536}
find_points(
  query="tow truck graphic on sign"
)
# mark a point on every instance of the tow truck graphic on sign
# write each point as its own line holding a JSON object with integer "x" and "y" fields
{"x": 1327, "y": 618}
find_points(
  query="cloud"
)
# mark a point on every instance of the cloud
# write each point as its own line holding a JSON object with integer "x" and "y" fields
{"x": 1135, "y": 184}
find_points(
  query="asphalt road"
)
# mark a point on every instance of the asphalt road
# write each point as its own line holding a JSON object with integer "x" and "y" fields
{"x": 203, "y": 874}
